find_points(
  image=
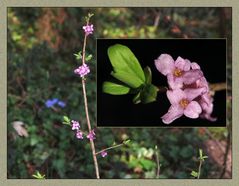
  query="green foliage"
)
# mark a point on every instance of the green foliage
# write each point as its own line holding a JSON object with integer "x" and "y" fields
{"x": 66, "y": 120}
{"x": 201, "y": 156}
{"x": 194, "y": 174}
{"x": 148, "y": 93}
{"x": 127, "y": 69}
{"x": 114, "y": 88}
{"x": 89, "y": 57}
{"x": 38, "y": 175}
{"x": 78, "y": 56}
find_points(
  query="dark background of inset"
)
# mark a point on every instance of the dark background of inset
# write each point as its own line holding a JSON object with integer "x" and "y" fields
{"x": 119, "y": 111}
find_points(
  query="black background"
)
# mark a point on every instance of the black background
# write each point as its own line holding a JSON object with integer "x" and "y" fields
{"x": 120, "y": 111}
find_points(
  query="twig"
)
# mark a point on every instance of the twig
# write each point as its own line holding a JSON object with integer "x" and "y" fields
{"x": 218, "y": 86}
{"x": 201, "y": 160}
{"x": 157, "y": 160}
{"x": 199, "y": 169}
{"x": 216, "y": 141}
{"x": 226, "y": 153}
{"x": 112, "y": 147}
{"x": 156, "y": 20}
{"x": 87, "y": 113}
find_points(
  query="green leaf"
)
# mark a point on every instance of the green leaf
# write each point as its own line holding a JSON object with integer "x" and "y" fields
{"x": 66, "y": 120}
{"x": 194, "y": 174}
{"x": 114, "y": 88}
{"x": 148, "y": 75}
{"x": 200, "y": 153}
{"x": 38, "y": 175}
{"x": 126, "y": 66}
{"x": 89, "y": 57}
{"x": 136, "y": 98}
{"x": 127, "y": 78}
{"x": 149, "y": 93}
{"x": 78, "y": 55}
{"x": 147, "y": 164}
{"x": 127, "y": 141}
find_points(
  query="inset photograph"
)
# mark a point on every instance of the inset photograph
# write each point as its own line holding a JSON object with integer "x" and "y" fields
{"x": 161, "y": 82}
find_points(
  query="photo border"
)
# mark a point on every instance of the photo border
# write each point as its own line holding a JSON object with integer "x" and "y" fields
{"x": 119, "y": 3}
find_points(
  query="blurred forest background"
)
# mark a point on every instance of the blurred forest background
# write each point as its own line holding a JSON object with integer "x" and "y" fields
{"x": 41, "y": 44}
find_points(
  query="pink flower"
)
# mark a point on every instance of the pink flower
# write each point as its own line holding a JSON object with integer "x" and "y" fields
{"x": 91, "y": 135}
{"x": 88, "y": 29}
{"x": 178, "y": 73}
{"x": 182, "y": 104}
{"x": 82, "y": 70}
{"x": 205, "y": 102}
{"x": 75, "y": 125}
{"x": 79, "y": 134}
{"x": 104, "y": 153}
{"x": 189, "y": 94}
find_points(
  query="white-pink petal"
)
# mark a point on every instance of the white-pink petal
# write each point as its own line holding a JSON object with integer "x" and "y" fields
{"x": 173, "y": 113}
{"x": 164, "y": 64}
{"x": 182, "y": 64}
{"x": 175, "y": 82}
{"x": 195, "y": 66}
{"x": 193, "y": 110}
{"x": 192, "y": 93}
{"x": 175, "y": 96}
{"x": 192, "y": 76}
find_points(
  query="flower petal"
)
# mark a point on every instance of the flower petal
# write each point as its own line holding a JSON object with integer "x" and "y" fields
{"x": 193, "y": 110}
{"x": 192, "y": 76}
{"x": 183, "y": 64}
{"x": 208, "y": 117}
{"x": 175, "y": 96}
{"x": 164, "y": 64}
{"x": 173, "y": 113}
{"x": 192, "y": 93}
{"x": 195, "y": 66}
{"x": 206, "y": 98}
{"x": 202, "y": 82}
{"x": 175, "y": 82}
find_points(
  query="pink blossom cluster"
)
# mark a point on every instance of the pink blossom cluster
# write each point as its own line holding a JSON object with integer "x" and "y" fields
{"x": 103, "y": 154}
{"x": 91, "y": 135}
{"x": 79, "y": 134}
{"x": 188, "y": 89}
{"x": 76, "y": 126}
{"x": 88, "y": 29}
{"x": 82, "y": 70}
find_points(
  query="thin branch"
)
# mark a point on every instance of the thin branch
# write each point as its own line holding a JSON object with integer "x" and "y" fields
{"x": 218, "y": 86}
{"x": 226, "y": 153}
{"x": 199, "y": 169}
{"x": 216, "y": 141}
{"x": 158, "y": 165}
{"x": 89, "y": 128}
{"x": 87, "y": 112}
{"x": 156, "y": 20}
{"x": 112, "y": 147}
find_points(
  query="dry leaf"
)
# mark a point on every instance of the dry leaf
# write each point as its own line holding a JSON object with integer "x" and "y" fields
{"x": 18, "y": 126}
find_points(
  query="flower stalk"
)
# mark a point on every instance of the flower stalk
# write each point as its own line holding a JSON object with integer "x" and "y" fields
{"x": 196, "y": 174}
{"x": 86, "y": 109}
{"x": 112, "y": 147}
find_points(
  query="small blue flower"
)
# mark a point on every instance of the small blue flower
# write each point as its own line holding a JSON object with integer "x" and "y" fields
{"x": 61, "y": 104}
{"x": 55, "y": 100}
{"x": 51, "y": 102}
